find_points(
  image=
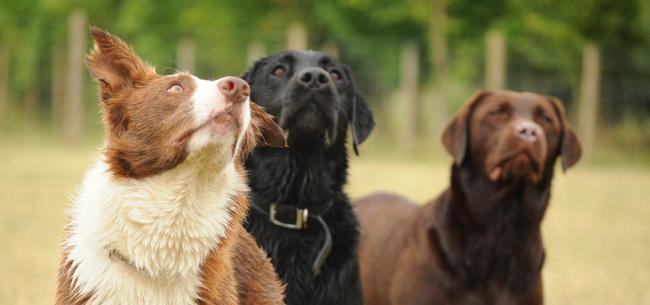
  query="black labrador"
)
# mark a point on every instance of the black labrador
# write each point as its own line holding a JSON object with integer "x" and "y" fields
{"x": 300, "y": 214}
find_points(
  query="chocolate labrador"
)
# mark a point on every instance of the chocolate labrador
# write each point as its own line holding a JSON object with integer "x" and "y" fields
{"x": 301, "y": 215}
{"x": 480, "y": 241}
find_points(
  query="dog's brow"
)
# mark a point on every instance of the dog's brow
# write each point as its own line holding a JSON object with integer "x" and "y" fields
{"x": 287, "y": 58}
{"x": 324, "y": 61}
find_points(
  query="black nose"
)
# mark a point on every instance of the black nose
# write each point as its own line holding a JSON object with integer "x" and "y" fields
{"x": 314, "y": 78}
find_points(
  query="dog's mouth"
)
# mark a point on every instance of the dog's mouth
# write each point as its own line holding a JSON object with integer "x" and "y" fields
{"x": 521, "y": 164}
{"x": 225, "y": 118}
{"x": 313, "y": 118}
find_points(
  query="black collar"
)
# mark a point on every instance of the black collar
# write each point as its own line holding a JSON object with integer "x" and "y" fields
{"x": 277, "y": 214}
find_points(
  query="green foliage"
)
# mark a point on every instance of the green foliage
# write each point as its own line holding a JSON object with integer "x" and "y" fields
{"x": 545, "y": 37}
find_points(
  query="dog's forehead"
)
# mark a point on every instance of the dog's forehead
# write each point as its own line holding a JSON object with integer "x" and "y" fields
{"x": 521, "y": 102}
{"x": 303, "y": 59}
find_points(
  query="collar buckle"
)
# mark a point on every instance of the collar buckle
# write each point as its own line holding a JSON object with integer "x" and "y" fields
{"x": 302, "y": 216}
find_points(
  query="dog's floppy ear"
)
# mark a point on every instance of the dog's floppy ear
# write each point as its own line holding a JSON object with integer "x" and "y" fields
{"x": 361, "y": 120}
{"x": 114, "y": 65}
{"x": 456, "y": 134}
{"x": 570, "y": 148}
{"x": 267, "y": 131}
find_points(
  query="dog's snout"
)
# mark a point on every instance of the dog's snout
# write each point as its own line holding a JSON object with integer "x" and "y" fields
{"x": 527, "y": 131}
{"x": 235, "y": 89}
{"x": 314, "y": 78}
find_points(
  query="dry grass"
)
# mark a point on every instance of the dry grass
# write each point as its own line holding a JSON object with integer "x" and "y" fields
{"x": 597, "y": 230}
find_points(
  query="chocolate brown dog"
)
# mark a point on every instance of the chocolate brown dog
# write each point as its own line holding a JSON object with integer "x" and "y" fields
{"x": 480, "y": 241}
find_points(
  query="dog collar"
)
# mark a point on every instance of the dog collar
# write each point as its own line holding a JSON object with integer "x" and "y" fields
{"x": 302, "y": 216}
{"x": 113, "y": 254}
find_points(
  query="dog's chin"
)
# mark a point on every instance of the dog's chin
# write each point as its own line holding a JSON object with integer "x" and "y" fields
{"x": 310, "y": 127}
{"x": 520, "y": 167}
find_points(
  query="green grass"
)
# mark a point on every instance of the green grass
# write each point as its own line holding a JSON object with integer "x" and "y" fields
{"x": 597, "y": 229}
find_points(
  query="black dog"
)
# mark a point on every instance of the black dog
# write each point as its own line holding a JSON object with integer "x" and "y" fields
{"x": 300, "y": 214}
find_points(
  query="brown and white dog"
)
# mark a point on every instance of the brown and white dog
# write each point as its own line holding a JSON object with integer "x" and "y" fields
{"x": 158, "y": 217}
{"x": 479, "y": 243}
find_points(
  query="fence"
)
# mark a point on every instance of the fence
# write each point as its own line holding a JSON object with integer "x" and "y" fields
{"x": 416, "y": 101}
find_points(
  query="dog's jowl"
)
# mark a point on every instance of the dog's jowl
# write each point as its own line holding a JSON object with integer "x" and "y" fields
{"x": 300, "y": 214}
{"x": 480, "y": 241}
{"x": 158, "y": 219}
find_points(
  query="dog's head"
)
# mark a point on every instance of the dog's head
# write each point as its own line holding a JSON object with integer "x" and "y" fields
{"x": 155, "y": 122}
{"x": 312, "y": 96}
{"x": 512, "y": 136}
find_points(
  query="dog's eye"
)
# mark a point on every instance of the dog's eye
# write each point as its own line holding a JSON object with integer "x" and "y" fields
{"x": 335, "y": 75}
{"x": 544, "y": 117}
{"x": 175, "y": 88}
{"x": 499, "y": 111}
{"x": 279, "y": 72}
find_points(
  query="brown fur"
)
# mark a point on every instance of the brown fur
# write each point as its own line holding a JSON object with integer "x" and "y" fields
{"x": 480, "y": 241}
{"x": 143, "y": 125}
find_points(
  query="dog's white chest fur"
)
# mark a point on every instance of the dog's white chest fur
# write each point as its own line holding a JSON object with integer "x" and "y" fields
{"x": 164, "y": 226}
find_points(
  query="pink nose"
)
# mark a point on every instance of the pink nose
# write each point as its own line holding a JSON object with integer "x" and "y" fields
{"x": 235, "y": 89}
{"x": 528, "y": 131}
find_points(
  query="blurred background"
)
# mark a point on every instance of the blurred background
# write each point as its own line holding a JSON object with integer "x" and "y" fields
{"x": 417, "y": 61}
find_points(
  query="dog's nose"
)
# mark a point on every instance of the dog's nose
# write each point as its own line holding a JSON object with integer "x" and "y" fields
{"x": 235, "y": 89}
{"x": 314, "y": 78}
{"x": 528, "y": 131}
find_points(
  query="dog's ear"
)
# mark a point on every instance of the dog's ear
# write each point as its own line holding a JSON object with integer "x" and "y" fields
{"x": 570, "y": 148}
{"x": 362, "y": 121}
{"x": 456, "y": 134}
{"x": 268, "y": 133}
{"x": 114, "y": 65}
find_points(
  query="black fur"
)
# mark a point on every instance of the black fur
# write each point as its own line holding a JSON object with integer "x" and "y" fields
{"x": 312, "y": 171}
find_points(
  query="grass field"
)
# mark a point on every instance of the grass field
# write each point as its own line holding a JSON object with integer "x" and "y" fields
{"x": 597, "y": 230}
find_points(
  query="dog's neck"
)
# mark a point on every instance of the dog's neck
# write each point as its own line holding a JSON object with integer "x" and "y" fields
{"x": 163, "y": 226}
{"x": 492, "y": 231}
{"x": 298, "y": 176}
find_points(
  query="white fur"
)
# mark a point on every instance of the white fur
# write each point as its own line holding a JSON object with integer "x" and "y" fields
{"x": 165, "y": 225}
{"x": 206, "y": 100}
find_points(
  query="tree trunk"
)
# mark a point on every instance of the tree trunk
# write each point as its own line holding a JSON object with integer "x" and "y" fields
{"x": 73, "y": 108}
{"x": 495, "y": 60}
{"x": 589, "y": 98}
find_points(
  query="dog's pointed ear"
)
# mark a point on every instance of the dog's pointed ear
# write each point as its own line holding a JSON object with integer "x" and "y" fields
{"x": 267, "y": 131}
{"x": 114, "y": 65}
{"x": 570, "y": 148}
{"x": 456, "y": 134}
{"x": 362, "y": 121}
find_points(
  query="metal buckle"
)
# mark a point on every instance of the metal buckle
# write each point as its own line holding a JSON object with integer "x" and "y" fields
{"x": 301, "y": 219}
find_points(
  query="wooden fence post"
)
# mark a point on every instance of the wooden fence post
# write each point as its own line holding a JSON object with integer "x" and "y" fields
{"x": 589, "y": 98}
{"x": 495, "y": 60}
{"x": 57, "y": 84}
{"x": 255, "y": 51}
{"x": 5, "y": 61}
{"x": 440, "y": 61}
{"x": 186, "y": 54}
{"x": 330, "y": 48}
{"x": 296, "y": 36}
{"x": 73, "y": 108}
{"x": 409, "y": 67}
